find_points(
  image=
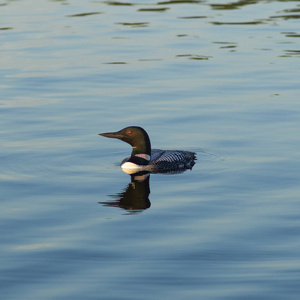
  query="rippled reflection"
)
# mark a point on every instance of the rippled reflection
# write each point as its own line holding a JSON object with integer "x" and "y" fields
{"x": 234, "y": 5}
{"x": 116, "y": 3}
{"x": 135, "y": 196}
{"x": 85, "y": 14}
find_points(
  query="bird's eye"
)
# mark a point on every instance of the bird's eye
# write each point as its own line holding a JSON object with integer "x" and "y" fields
{"x": 130, "y": 132}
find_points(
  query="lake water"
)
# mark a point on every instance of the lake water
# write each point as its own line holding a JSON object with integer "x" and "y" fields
{"x": 219, "y": 78}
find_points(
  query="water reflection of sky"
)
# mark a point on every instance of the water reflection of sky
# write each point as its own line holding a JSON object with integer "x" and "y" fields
{"x": 220, "y": 78}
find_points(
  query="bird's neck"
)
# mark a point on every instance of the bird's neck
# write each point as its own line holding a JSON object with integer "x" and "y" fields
{"x": 141, "y": 155}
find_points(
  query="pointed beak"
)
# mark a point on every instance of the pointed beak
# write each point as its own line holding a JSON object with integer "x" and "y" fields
{"x": 113, "y": 135}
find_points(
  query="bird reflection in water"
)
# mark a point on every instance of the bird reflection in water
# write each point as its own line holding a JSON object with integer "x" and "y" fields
{"x": 135, "y": 197}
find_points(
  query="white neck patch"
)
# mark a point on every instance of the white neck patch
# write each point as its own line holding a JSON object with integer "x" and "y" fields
{"x": 144, "y": 156}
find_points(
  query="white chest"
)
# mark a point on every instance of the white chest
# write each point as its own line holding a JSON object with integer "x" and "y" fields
{"x": 131, "y": 168}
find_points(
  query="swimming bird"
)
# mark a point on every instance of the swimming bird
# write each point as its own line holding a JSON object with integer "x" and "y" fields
{"x": 145, "y": 159}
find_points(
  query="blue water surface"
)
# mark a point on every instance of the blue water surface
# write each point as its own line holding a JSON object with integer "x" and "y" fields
{"x": 218, "y": 78}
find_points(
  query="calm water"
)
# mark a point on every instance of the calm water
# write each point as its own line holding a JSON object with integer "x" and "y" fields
{"x": 216, "y": 77}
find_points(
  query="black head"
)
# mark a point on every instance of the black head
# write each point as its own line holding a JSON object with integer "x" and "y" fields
{"x": 137, "y": 137}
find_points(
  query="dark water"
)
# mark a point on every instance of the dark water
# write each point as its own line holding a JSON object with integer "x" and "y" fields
{"x": 219, "y": 78}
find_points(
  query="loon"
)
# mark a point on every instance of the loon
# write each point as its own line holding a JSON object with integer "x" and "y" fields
{"x": 145, "y": 159}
